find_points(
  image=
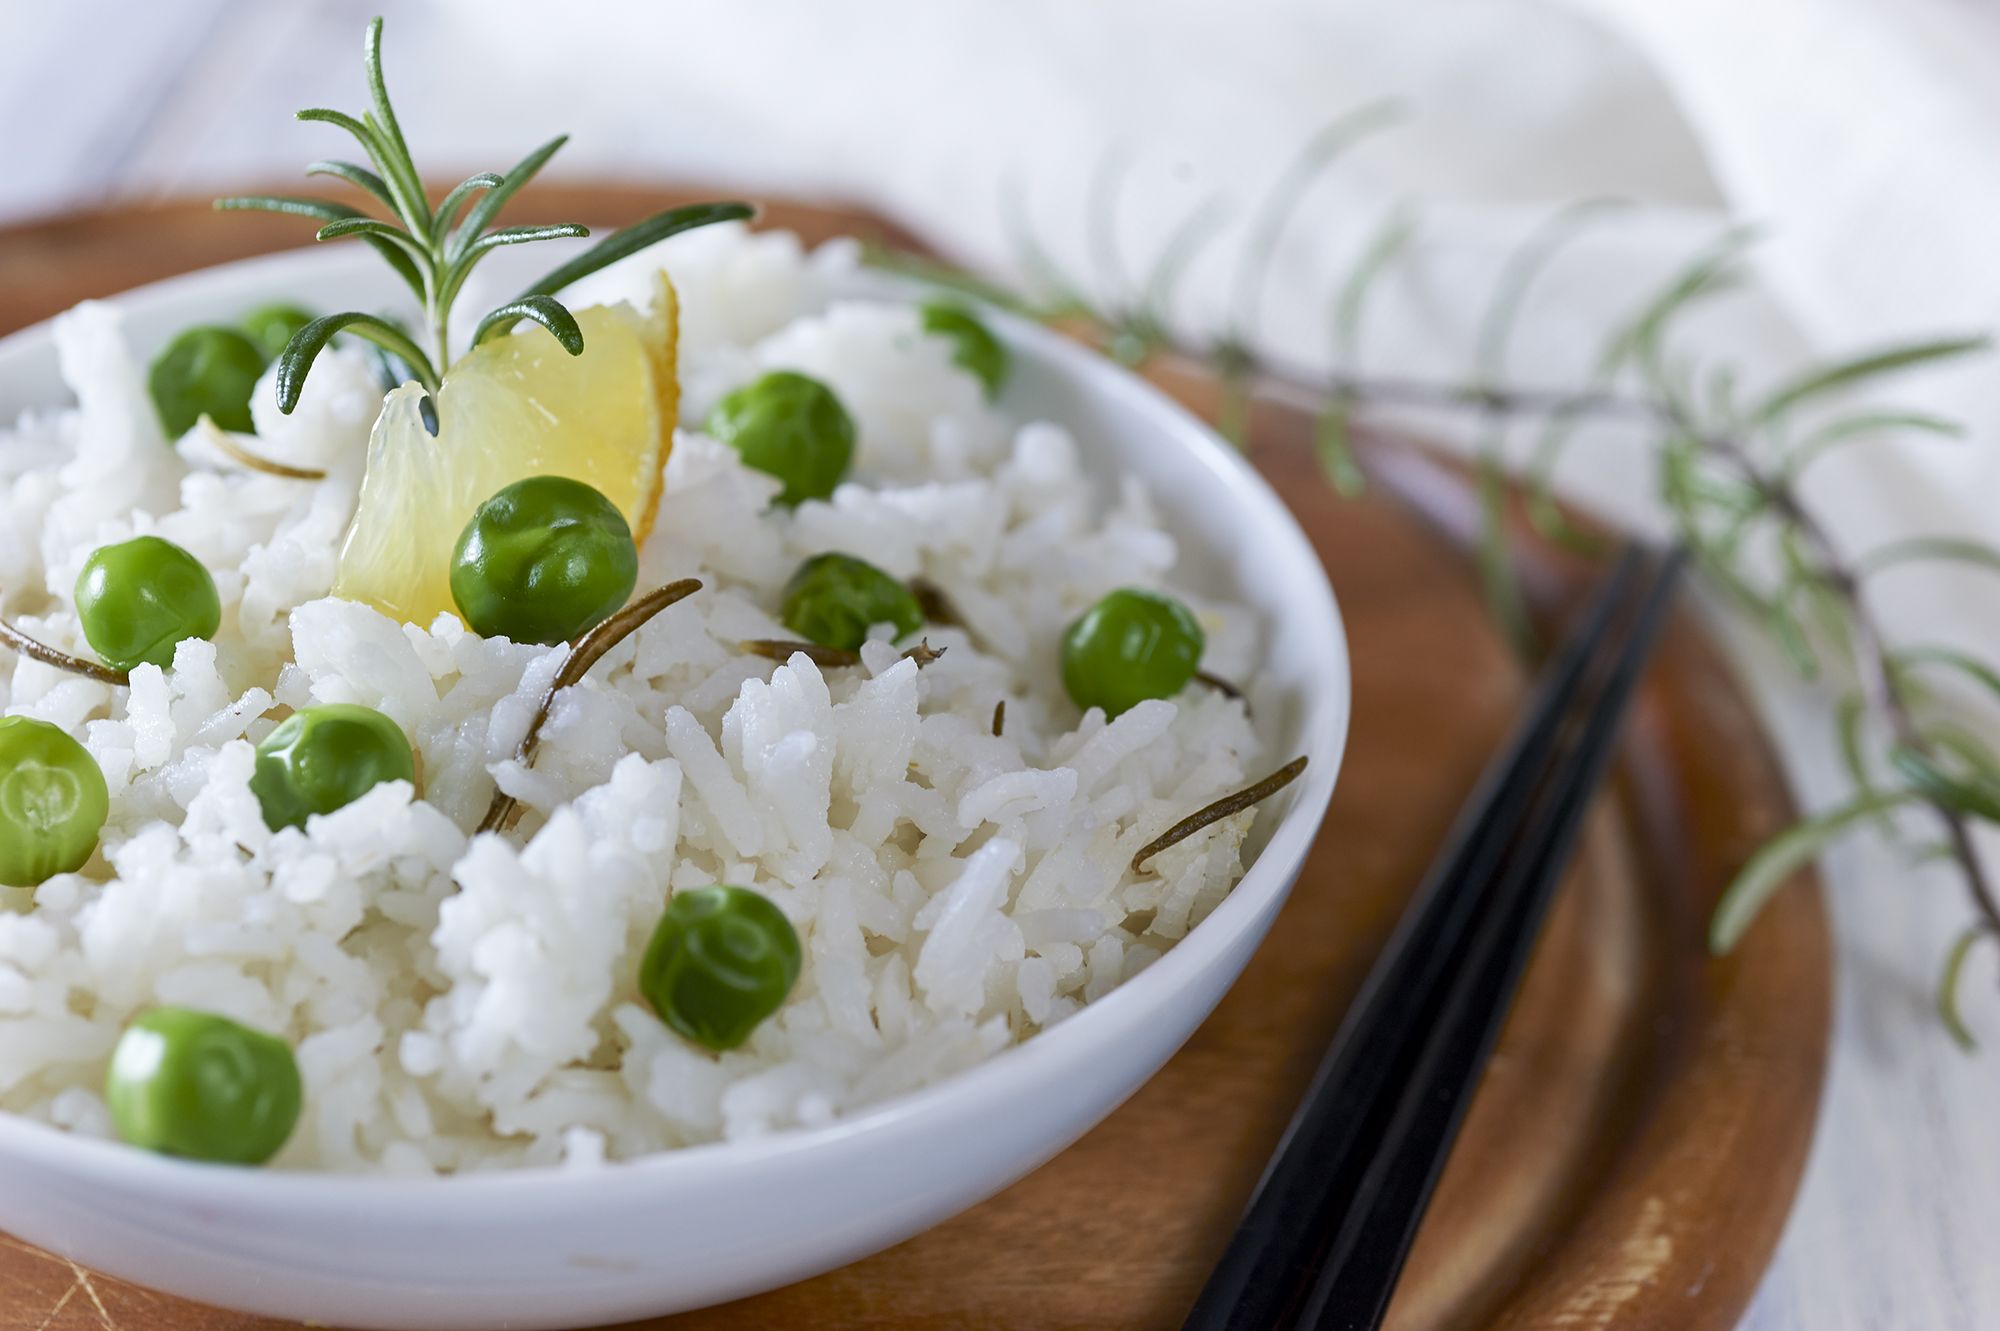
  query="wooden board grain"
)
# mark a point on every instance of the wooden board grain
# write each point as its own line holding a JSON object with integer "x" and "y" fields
{"x": 1633, "y": 1152}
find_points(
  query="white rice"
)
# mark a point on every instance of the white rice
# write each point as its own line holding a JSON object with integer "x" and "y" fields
{"x": 468, "y": 1002}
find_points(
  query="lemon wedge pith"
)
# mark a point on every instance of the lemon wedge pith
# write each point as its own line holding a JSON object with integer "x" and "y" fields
{"x": 511, "y": 408}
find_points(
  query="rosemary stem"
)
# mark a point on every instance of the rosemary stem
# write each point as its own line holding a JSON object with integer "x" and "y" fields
{"x": 1873, "y": 657}
{"x": 1393, "y": 391}
{"x": 21, "y": 644}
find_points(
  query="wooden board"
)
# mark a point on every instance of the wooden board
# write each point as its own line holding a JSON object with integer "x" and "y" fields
{"x": 1632, "y": 1155}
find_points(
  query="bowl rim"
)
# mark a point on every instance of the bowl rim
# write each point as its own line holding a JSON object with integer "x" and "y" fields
{"x": 1324, "y": 724}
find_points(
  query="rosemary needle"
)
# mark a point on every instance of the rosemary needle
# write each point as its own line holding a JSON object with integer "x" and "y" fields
{"x": 1219, "y": 684}
{"x": 24, "y": 645}
{"x": 1222, "y": 808}
{"x": 589, "y": 650}
{"x": 828, "y": 658}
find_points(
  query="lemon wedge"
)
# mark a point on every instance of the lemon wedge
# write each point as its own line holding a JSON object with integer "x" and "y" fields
{"x": 511, "y": 408}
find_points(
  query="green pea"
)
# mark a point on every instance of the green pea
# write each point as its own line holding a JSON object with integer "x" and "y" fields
{"x": 324, "y": 758}
{"x": 720, "y": 962}
{"x": 197, "y": 1085}
{"x": 271, "y": 327}
{"x": 53, "y": 802}
{"x": 788, "y": 426}
{"x": 1129, "y": 647}
{"x": 205, "y": 371}
{"x": 834, "y": 599}
{"x": 141, "y": 598}
{"x": 975, "y": 349}
{"x": 543, "y": 561}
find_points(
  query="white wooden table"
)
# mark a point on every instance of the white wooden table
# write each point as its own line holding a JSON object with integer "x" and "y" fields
{"x": 1898, "y": 1225}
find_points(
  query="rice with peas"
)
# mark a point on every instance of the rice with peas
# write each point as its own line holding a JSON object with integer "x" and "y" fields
{"x": 464, "y": 1002}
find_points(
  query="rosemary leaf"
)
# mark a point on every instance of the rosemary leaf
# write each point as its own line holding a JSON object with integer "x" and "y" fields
{"x": 524, "y": 235}
{"x": 1518, "y": 276}
{"x": 782, "y": 650}
{"x": 323, "y": 210}
{"x": 1916, "y": 549}
{"x": 1964, "y": 663}
{"x": 1107, "y": 183}
{"x": 1377, "y": 257}
{"x": 1851, "y": 715}
{"x": 1060, "y": 295}
{"x": 945, "y": 278}
{"x": 1947, "y": 986}
{"x": 481, "y": 214}
{"x": 225, "y": 443}
{"x": 1977, "y": 795}
{"x": 544, "y": 310}
{"x": 373, "y": 229}
{"x": 1333, "y": 441}
{"x": 1496, "y": 564}
{"x": 591, "y": 648}
{"x": 1791, "y": 635}
{"x": 1282, "y": 200}
{"x": 358, "y": 176}
{"x": 1712, "y": 271}
{"x": 1545, "y": 514}
{"x": 1861, "y": 426}
{"x": 304, "y": 348}
{"x": 326, "y": 210}
{"x": 1194, "y": 232}
{"x": 1232, "y": 411}
{"x": 400, "y": 170}
{"x": 637, "y": 237}
{"x": 458, "y": 270}
{"x": 1773, "y": 865}
{"x": 14, "y": 640}
{"x": 364, "y": 134}
{"x": 1851, "y": 372}
{"x": 456, "y": 199}
{"x": 1226, "y": 807}
{"x": 1494, "y": 553}
{"x": 1967, "y": 747}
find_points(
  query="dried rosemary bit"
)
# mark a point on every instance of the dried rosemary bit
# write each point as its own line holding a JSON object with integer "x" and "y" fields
{"x": 999, "y": 717}
{"x": 935, "y": 602}
{"x": 783, "y": 649}
{"x": 40, "y": 651}
{"x": 589, "y": 650}
{"x": 226, "y": 444}
{"x": 828, "y": 658}
{"x": 1222, "y": 808}
{"x": 1219, "y": 684}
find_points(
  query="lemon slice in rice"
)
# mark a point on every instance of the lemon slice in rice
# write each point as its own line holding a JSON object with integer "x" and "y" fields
{"x": 511, "y": 408}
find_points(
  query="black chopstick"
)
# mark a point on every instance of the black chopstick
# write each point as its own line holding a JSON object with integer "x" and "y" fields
{"x": 1278, "y": 1243}
{"x": 1326, "y": 1232}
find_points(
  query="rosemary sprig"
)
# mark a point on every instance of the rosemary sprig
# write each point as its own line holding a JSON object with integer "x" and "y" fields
{"x": 435, "y": 249}
{"x": 1729, "y": 472}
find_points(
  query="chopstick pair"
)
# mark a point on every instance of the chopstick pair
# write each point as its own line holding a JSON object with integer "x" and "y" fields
{"x": 1324, "y": 1238}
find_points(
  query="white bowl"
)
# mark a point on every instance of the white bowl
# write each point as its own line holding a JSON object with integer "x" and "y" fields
{"x": 546, "y": 1248}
